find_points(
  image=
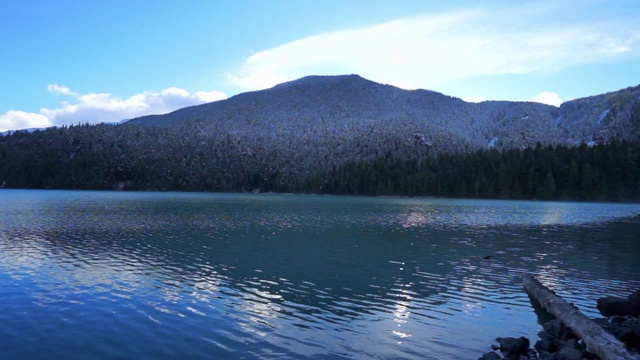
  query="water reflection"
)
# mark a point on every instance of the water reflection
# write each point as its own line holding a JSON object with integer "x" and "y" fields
{"x": 276, "y": 276}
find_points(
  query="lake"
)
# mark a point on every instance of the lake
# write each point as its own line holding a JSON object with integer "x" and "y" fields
{"x": 94, "y": 275}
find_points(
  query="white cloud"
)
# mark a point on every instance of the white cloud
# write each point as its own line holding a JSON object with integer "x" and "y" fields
{"x": 175, "y": 92}
{"x": 14, "y": 120}
{"x": 258, "y": 78}
{"x": 549, "y": 98}
{"x": 59, "y": 89}
{"x": 102, "y": 107}
{"x": 474, "y": 98}
{"x": 210, "y": 96}
{"x": 431, "y": 49}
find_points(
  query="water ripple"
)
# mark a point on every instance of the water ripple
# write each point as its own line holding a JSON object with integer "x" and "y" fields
{"x": 228, "y": 276}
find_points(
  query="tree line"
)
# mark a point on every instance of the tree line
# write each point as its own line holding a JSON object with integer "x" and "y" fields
{"x": 199, "y": 158}
{"x": 605, "y": 172}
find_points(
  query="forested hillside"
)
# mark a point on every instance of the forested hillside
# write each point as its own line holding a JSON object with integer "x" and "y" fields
{"x": 318, "y": 108}
{"x": 602, "y": 172}
{"x": 348, "y": 135}
{"x": 135, "y": 157}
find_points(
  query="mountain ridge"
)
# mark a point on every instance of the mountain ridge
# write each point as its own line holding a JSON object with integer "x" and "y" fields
{"x": 462, "y": 125}
{"x": 348, "y": 135}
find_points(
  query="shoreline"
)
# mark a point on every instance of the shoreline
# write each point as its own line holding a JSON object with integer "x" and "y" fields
{"x": 616, "y": 335}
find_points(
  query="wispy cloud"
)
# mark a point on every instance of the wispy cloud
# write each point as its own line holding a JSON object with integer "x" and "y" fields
{"x": 426, "y": 50}
{"x": 59, "y": 89}
{"x": 103, "y": 107}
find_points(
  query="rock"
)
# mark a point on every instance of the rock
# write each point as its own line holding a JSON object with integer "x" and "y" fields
{"x": 559, "y": 344}
{"x": 532, "y": 354}
{"x": 604, "y": 322}
{"x": 512, "y": 348}
{"x": 546, "y": 336}
{"x": 617, "y": 319}
{"x": 568, "y": 353}
{"x": 490, "y": 356}
{"x": 626, "y": 329}
{"x": 611, "y": 306}
{"x": 630, "y": 321}
{"x": 543, "y": 357}
{"x": 545, "y": 345}
{"x": 635, "y": 297}
{"x": 629, "y": 335}
{"x": 624, "y": 334}
{"x": 635, "y": 339}
{"x": 573, "y": 344}
{"x": 556, "y": 329}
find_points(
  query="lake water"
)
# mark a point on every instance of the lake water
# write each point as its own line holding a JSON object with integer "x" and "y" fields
{"x": 222, "y": 276}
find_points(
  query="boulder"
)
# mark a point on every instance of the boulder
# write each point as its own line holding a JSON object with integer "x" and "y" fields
{"x": 627, "y": 331}
{"x": 568, "y": 353}
{"x": 546, "y": 336}
{"x": 556, "y": 329}
{"x": 512, "y": 348}
{"x": 573, "y": 344}
{"x": 490, "y": 356}
{"x": 545, "y": 345}
{"x": 635, "y": 297}
{"x": 617, "y": 319}
{"x": 623, "y": 333}
{"x": 612, "y": 305}
{"x": 630, "y": 321}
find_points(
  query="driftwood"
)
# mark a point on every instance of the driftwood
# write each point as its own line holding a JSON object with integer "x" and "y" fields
{"x": 598, "y": 341}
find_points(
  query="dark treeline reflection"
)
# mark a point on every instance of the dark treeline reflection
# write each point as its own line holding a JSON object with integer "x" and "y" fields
{"x": 200, "y": 157}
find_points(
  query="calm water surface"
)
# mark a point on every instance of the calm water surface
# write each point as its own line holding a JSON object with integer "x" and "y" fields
{"x": 222, "y": 276}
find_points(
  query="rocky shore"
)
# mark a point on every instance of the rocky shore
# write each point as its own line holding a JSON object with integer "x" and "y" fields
{"x": 557, "y": 342}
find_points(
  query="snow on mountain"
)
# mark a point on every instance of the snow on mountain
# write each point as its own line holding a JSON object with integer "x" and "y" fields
{"x": 318, "y": 108}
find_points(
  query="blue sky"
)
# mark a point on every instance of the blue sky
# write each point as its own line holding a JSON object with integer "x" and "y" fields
{"x": 77, "y": 61}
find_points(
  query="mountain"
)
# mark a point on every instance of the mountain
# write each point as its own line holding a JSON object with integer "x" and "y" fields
{"x": 348, "y": 135}
{"x": 351, "y": 106}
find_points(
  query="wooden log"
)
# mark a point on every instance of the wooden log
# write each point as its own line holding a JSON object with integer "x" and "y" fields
{"x": 598, "y": 341}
